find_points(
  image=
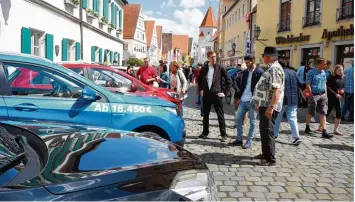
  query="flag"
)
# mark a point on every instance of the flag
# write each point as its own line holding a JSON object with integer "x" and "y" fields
{"x": 248, "y": 44}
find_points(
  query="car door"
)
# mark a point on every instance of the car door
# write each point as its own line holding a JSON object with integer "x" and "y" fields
{"x": 62, "y": 102}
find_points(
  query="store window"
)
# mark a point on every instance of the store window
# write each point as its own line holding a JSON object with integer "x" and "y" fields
{"x": 285, "y": 16}
{"x": 313, "y": 13}
{"x": 37, "y": 43}
{"x": 285, "y": 56}
{"x": 311, "y": 55}
{"x": 345, "y": 55}
{"x": 346, "y": 10}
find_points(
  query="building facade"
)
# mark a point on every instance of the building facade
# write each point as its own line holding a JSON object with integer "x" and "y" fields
{"x": 152, "y": 41}
{"x": 307, "y": 29}
{"x": 208, "y": 28}
{"x": 160, "y": 38}
{"x": 63, "y": 30}
{"x": 134, "y": 33}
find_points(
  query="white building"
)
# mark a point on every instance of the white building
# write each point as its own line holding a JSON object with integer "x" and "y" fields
{"x": 134, "y": 33}
{"x": 57, "y": 30}
{"x": 152, "y": 42}
{"x": 208, "y": 28}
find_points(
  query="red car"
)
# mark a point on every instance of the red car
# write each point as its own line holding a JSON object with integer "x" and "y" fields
{"x": 118, "y": 81}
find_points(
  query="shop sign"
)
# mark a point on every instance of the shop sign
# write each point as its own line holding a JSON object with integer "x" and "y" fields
{"x": 338, "y": 33}
{"x": 292, "y": 39}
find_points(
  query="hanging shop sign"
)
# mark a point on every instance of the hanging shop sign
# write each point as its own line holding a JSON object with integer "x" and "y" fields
{"x": 338, "y": 33}
{"x": 292, "y": 39}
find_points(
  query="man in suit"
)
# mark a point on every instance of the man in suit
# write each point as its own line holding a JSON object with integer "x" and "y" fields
{"x": 213, "y": 83}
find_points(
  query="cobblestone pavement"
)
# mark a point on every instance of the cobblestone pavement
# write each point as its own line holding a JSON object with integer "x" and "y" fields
{"x": 317, "y": 169}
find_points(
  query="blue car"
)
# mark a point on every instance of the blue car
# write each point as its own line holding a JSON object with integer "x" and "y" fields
{"x": 33, "y": 88}
{"x": 41, "y": 161}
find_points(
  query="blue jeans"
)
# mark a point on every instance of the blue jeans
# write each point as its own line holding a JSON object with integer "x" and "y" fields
{"x": 243, "y": 108}
{"x": 291, "y": 113}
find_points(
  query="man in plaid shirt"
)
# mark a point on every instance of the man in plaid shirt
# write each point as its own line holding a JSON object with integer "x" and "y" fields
{"x": 349, "y": 94}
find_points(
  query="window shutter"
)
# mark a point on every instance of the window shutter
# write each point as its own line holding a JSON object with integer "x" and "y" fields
{"x": 85, "y": 4}
{"x": 116, "y": 10}
{"x": 98, "y": 6}
{"x": 77, "y": 51}
{"x": 118, "y": 59}
{"x": 120, "y": 20}
{"x": 64, "y": 49}
{"x": 93, "y": 48}
{"x": 112, "y": 13}
{"x": 49, "y": 46}
{"x": 105, "y": 9}
{"x": 100, "y": 56}
{"x": 111, "y": 57}
{"x": 25, "y": 40}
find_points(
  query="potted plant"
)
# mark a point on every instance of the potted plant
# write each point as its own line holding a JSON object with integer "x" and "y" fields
{"x": 103, "y": 20}
{"x": 111, "y": 26}
{"x": 119, "y": 30}
{"x": 91, "y": 13}
{"x": 73, "y": 3}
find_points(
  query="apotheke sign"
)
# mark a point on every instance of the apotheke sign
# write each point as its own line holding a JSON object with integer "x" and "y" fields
{"x": 338, "y": 33}
{"x": 292, "y": 39}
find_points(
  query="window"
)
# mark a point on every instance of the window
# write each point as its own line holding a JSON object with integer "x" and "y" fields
{"x": 285, "y": 16}
{"x": 243, "y": 10}
{"x": 313, "y": 13}
{"x": 37, "y": 43}
{"x": 71, "y": 50}
{"x": 239, "y": 14}
{"x": 230, "y": 20}
{"x": 79, "y": 71}
{"x": 236, "y": 16}
{"x": 101, "y": 76}
{"x": 225, "y": 9}
{"x": 346, "y": 11}
{"x": 28, "y": 80}
{"x": 143, "y": 37}
{"x": 237, "y": 42}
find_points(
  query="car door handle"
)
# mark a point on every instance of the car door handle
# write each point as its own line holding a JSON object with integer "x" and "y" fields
{"x": 26, "y": 107}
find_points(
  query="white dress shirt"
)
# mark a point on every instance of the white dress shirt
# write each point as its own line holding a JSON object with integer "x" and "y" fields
{"x": 210, "y": 76}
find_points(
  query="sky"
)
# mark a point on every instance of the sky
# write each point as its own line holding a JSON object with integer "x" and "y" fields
{"x": 177, "y": 16}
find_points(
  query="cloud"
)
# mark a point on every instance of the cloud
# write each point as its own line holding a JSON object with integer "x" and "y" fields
{"x": 150, "y": 12}
{"x": 169, "y": 3}
{"x": 192, "y": 3}
{"x": 182, "y": 23}
{"x": 159, "y": 13}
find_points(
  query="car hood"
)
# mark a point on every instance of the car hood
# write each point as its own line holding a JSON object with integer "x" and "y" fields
{"x": 82, "y": 157}
{"x": 147, "y": 100}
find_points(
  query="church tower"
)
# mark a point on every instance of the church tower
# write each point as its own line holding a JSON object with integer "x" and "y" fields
{"x": 207, "y": 32}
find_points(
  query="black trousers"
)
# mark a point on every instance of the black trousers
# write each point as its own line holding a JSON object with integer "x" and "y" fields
{"x": 348, "y": 105}
{"x": 334, "y": 102}
{"x": 266, "y": 127}
{"x": 208, "y": 101}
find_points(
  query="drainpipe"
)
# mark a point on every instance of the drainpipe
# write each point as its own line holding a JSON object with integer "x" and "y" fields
{"x": 81, "y": 31}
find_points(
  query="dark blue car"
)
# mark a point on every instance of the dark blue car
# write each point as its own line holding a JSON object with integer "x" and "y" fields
{"x": 50, "y": 161}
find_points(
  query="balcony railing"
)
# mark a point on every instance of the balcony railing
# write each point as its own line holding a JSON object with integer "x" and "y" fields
{"x": 312, "y": 18}
{"x": 346, "y": 12}
{"x": 284, "y": 25}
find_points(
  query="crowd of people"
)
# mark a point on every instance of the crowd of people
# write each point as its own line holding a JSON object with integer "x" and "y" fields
{"x": 271, "y": 92}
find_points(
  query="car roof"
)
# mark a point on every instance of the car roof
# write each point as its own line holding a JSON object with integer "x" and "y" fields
{"x": 20, "y": 57}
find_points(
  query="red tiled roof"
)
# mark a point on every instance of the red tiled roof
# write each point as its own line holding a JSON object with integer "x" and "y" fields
{"x": 201, "y": 34}
{"x": 131, "y": 15}
{"x": 209, "y": 20}
{"x": 159, "y": 35}
{"x": 149, "y": 28}
{"x": 181, "y": 41}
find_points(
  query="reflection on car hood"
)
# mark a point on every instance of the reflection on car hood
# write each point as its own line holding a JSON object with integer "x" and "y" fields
{"x": 82, "y": 157}
{"x": 147, "y": 100}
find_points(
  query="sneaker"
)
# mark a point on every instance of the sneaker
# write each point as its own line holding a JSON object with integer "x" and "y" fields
{"x": 237, "y": 143}
{"x": 326, "y": 135}
{"x": 247, "y": 145}
{"x": 308, "y": 131}
{"x": 297, "y": 142}
{"x": 313, "y": 120}
{"x": 203, "y": 136}
{"x": 224, "y": 139}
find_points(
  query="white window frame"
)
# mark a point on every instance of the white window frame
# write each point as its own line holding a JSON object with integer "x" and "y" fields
{"x": 42, "y": 43}
{"x": 71, "y": 50}
{"x": 97, "y": 54}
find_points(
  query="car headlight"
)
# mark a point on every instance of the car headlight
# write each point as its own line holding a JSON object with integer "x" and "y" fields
{"x": 173, "y": 95}
{"x": 172, "y": 110}
{"x": 196, "y": 185}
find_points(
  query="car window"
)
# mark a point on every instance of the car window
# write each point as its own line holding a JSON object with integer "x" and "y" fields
{"x": 79, "y": 71}
{"x": 39, "y": 82}
{"x": 102, "y": 77}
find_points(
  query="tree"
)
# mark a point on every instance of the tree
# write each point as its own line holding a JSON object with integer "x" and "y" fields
{"x": 135, "y": 62}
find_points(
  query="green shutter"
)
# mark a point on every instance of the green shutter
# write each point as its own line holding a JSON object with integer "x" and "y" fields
{"x": 111, "y": 57}
{"x": 100, "y": 55}
{"x": 93, "y": 49}
{"x": 105, "y": 10}
{"x": 77, "y": 51}
{"x": 25, "y": 40}
{"x": 116, "y": 10}
{"x": 118, "y": 59}
{"x": 112, "y": 13}
{"x": 94, "y": 5}
{"x": 85, "y": 4}
{"x": 120, "y": 20}
{"x": 64, "y": 49}
{"x": 49, "y": 46}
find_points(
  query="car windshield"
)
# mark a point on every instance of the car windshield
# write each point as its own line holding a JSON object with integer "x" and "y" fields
{"x": 103, "y": 76}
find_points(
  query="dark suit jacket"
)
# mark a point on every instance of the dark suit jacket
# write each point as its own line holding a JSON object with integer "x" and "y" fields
{"x": 242, "y": 79}
{"x": 221, "y": 81}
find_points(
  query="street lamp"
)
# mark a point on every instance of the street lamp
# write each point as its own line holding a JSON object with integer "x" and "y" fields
{"x": 257, "y": 32}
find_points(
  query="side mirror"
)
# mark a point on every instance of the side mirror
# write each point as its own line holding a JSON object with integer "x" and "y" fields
{"x": 134, "y": 87}
{"x": 89, "y": 94}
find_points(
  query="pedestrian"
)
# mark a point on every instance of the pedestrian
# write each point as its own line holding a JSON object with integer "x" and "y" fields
{"x": 318, "y": 100}
{"x": 147, "y": 74}
{"x": 290, "y": 103}
{"x": 130, "y": 71}
{"x": 268, "y": 98}
{"x": 335, "y": 84}
{"x": 212, "y": 90}
{"x": 349, "y": 94}
{"x": 244, "y": 87}
{"x": 328, "y": 69}
{"x": 178, "y": 81}
{"x": 164, "y": 81}
{"x": 197, "y": 71}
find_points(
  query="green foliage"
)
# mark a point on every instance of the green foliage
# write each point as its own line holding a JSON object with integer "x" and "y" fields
{"x": 135, "y": 62}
